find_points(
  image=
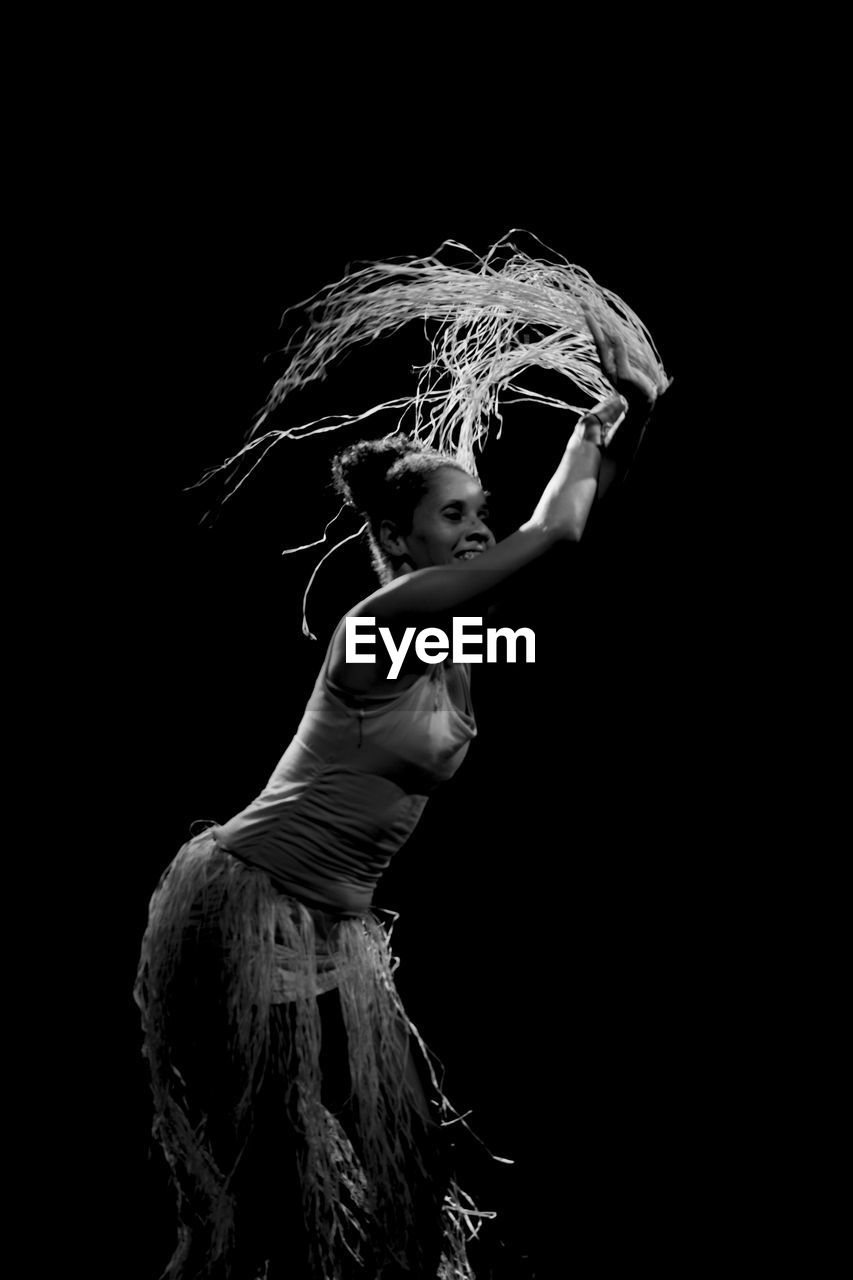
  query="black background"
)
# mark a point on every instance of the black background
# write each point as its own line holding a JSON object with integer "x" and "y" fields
{"x": 567, "y": 931}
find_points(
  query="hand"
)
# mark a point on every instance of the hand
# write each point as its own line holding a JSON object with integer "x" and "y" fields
{"x": 598, "y": 426}
{"x": 635, "y": 384}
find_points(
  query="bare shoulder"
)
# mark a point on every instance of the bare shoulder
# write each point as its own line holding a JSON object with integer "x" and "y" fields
{"x": 373, "y": 654}
{"x": 354, "y": 677}
{"x": 360, "y": 658}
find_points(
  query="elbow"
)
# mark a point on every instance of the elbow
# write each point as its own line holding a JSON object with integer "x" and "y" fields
{"x": 566, "y": 531}
{"x": 574, "y": 529}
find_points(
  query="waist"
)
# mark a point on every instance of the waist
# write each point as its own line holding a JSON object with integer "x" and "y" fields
{"x": 330, "y": 891}
{"x": 328, "y": 900}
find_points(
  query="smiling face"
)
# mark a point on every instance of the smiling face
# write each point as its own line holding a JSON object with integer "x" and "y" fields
{"x": 449, "y": 524}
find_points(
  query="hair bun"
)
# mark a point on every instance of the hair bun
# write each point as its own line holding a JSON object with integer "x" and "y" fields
{"x": 360, "y": 472}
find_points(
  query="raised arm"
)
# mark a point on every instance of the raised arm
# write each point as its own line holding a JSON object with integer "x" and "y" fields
{"x": 600, "y": 448}
{"x": 559, "y": 516}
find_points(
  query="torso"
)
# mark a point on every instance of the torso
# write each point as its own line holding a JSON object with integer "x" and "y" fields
{"x": 353, "y": 782}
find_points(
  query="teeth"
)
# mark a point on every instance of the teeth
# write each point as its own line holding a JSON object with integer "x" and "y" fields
{"x": 468, "y": 555}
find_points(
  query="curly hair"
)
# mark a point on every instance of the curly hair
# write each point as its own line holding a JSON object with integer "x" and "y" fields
{"x": 385, "y": 480}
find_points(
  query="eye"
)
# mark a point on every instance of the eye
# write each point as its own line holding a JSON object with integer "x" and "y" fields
{"x": 453, "y": 514}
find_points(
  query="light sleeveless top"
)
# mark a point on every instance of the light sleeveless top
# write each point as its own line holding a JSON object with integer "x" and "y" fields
{"x": 350, "y": 788}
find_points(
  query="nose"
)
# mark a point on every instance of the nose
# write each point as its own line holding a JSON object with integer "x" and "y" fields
{"x": 479, "y": 531}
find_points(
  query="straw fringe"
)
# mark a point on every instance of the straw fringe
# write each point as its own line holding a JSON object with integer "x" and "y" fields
{"x": 487, "y": 320}
{"x": 363, "y": 1209}
{"x": 494, "y": 317}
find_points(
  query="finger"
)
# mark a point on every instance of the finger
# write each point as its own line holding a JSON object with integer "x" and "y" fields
{"x": 594, "y": 328}
{"x": 602, "y": 347}
{"x": 644, "y": 362}
{"x": 620, "y": 356}
{"x": 603, "y": 342}
{"x": 634, "y": 367}
{"x": 629, "y": 369}
{"x": 607, "y": 357}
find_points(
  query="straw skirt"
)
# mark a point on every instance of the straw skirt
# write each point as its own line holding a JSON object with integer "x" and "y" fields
{"x": 297, "y": 1106}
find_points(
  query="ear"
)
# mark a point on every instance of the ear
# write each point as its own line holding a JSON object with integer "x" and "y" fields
{"x": 392, "y": 541}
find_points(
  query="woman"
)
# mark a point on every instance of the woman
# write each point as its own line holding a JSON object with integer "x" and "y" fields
{"x": 295, "y": 1102}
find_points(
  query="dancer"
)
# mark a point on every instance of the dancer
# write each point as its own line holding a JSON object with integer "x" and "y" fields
{"x": 295, "y": 1101}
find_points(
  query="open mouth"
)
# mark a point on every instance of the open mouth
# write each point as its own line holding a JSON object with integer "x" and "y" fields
{"x": 468, "y": 555}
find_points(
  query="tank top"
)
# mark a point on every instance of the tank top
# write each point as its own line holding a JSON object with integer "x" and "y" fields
{"x": 351, "y": 787}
